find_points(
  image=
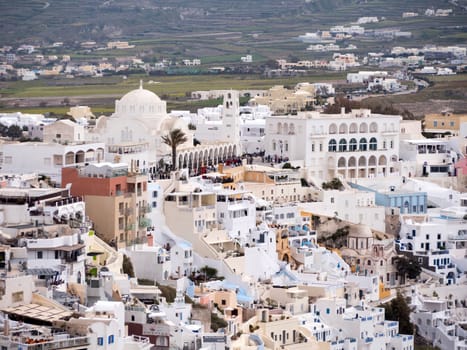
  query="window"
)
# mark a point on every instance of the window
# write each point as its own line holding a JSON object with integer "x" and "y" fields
{"x": 17, "y": 297}
{"x": 154, "y": 194}
{"x": 373, "y": 144}
{"x": 111, "y": 339}
{"x": 100, "y": 341}
{"x": 342, "y": 145}
{"x": 363, "y": 144}
{"x": 39, "y": 255}
{"x": 328, "y": 310}
{"x": 352, "y": 145}
{"x": 451, "y": 123}
{"x": 154, "y": 204}
{"x": 332, "y": 146}
{"x": 332, "y": 199}
{"x": 58, "y": 159}
{"x": 312, "y": 147}
{"x": 435, "y": 123}
{"x": 223, "y": 302}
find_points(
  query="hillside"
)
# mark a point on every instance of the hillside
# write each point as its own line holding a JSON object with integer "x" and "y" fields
{"x": 39, "y": 21}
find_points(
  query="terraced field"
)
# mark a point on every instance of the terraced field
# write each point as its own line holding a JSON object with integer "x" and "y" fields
{"x": 215, "y": 29}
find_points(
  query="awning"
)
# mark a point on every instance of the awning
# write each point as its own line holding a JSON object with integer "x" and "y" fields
{"x": 65, "y": 248}
{"x": 39, "y": 312}
{"x": 94, "y": 253}
{"x": 42, "y": 272}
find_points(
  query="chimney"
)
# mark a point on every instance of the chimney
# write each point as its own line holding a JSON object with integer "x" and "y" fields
{"x": 150, "y": 239}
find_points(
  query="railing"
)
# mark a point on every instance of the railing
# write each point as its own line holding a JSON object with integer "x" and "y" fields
{"x": 140, "y": 339}
{"x": 47, "y": 345}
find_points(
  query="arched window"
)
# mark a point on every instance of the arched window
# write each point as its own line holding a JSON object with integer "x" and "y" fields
{"x": 273, "y": 145}
{"x": 291, "y": 129}
{"x": 373, "y": 144}
{"x": 373, "y": 127}
{"x": 333, "y": 129}
{"x": 332, "y": 146}
{"x": 362, "y": 161}
{"x": 279, "y": 128}
{"x": 343, "y": 129}
{"x": 342, "y": 145}
{"x": 363, "y": 144}
{"x": 363, "y": 128}
{"x": 353, "y": 128}
{"x": 352, "y": 145}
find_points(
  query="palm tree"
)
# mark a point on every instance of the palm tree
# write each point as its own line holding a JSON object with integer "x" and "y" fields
{"x": 173, "y": 139}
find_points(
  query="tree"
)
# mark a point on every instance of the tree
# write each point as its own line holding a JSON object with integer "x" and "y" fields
{"x": 398, "y": 310}
{"x": 173, "y": 139}
{"x": 127, "y": 266}
{"x": 334, "y": 184}
{"x": 3, "y": 129}
{"x": 409, "y": 267}
{"x": 14, "y": 131}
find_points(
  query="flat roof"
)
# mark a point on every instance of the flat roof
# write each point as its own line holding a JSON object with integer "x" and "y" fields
{"x": 427, "y": 141}
{"x": 39, "y": 312}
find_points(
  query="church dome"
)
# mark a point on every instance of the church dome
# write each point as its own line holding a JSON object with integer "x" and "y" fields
{"x": 140, "y": 103}
{"x": 360, "y": 231}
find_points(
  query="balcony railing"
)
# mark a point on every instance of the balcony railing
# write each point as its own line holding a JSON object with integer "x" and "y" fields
{"x": 46, "y": 345}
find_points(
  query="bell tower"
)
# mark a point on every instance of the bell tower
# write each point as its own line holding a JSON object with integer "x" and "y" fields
{"x": 231, "y": 118}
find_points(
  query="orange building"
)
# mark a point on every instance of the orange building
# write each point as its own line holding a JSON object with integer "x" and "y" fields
{"x": 115, "y": 200}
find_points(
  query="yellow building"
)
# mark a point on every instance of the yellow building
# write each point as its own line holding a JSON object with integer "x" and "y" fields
{"x": 284, "y": 101}
{"x": 445, "y": 121}
{"x": 270, "y": 184}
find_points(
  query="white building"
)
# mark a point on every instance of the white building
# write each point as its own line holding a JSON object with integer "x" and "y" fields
{"x": 252, "y": 134}
{"x": 440, "y": 325}
{"x": 354, "y": 206}
{"x": 150, "y": 262}
{"x": 247, "y": 59}
{"x": 365, "y": 325}
{"x": 221, "y": 123}
{"x": 49, "y": 158}
{"x": 431, "y": 157}
{"x": 63, "y": 131}
{"x": 358, "y": 144}
{"x": 236, "y": 213}
{"x": 133, "y": 133}
{"x": 365, "y": 76}
{"x": 429, "y": 239}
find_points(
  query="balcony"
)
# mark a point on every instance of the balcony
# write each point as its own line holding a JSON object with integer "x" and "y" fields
{"x": 144, "y": 222}
{"x": 43, "y": 343}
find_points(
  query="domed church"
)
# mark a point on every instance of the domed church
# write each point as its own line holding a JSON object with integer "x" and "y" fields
{"x": 133, "y": 135}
